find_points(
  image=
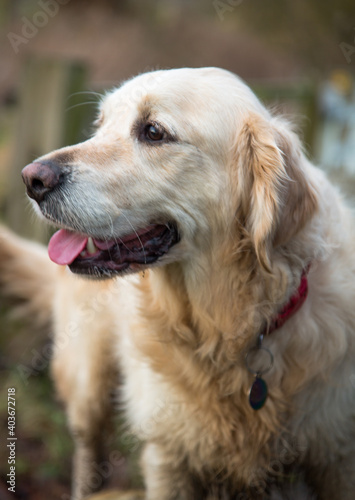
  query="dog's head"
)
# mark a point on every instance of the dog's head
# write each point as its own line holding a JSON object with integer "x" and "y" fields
{"x": 177, "y": 157}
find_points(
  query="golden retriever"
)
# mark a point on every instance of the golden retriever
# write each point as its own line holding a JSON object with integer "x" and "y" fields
{"x": 232, "y": 317}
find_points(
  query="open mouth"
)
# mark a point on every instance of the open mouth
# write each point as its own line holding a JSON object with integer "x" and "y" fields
{"x": 133, "y": 252}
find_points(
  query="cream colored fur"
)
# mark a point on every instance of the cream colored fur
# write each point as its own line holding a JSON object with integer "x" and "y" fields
{"x": 253, "y": 213}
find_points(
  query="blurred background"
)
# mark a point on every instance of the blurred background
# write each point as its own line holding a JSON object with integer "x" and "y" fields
{"x": 58, "y": 56}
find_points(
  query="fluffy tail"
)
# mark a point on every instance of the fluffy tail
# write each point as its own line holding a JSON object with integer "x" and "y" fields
{"x": 27, "y": 278}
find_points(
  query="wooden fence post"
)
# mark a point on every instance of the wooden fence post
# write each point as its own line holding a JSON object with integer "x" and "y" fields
{"x": 43, "y": 124}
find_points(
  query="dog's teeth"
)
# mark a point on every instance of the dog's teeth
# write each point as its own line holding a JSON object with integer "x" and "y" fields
{"x": 91, "y": 247}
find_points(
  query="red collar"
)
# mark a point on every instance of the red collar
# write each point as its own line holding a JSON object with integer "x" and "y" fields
{"x": 292, "y": 306}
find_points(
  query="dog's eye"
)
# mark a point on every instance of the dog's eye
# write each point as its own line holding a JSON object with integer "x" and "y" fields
{"x": 154, "y": 132}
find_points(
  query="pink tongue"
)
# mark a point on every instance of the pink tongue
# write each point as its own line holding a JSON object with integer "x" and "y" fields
{"x": 65, "y": 246}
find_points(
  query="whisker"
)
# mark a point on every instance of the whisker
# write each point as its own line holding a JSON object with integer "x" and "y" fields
{"x": 111, "y": 223}
{"x": 140, "y": 241}
{"x": 89, "y": 92}
{"x": 114, "y": 238}
{"x": 81, "y": 104}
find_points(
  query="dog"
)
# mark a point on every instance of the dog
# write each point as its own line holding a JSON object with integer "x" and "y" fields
{"x": 222, "y": 266}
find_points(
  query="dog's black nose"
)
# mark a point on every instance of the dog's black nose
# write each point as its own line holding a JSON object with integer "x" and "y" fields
{"x": 40, "y": 179}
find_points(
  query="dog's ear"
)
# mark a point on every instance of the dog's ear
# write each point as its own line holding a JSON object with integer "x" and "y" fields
{"x": 275, "y": 200}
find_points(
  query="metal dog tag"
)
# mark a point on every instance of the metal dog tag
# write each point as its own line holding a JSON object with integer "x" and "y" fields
{"x": 258, "y": 393}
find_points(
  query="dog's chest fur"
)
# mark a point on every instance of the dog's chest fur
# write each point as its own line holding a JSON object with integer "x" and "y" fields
{"x": 196, "y": 412}
{"x": 200, "y": 414}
